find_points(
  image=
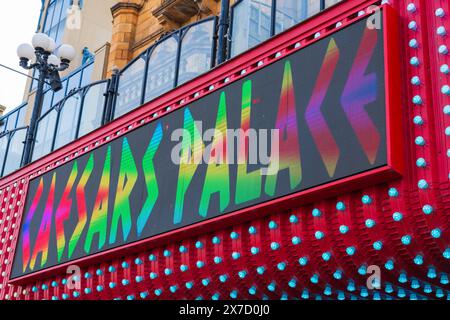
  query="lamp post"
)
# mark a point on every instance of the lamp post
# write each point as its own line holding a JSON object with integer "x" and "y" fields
{"x": 40, "y": 56}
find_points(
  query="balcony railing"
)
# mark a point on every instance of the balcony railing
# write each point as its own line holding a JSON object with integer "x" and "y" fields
{"x": 177, "y": 58}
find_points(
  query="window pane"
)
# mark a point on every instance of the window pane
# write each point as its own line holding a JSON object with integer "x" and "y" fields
{"x": 130, "y": 88}
{"x": 94, "y": 102}
{"x": 58, "y": 96}
{"x": 68, "y": 120}
{"x": 251, "y": 24}
{"x": 291, "y": 12}
{"x": 21, "y": 117}
{"x": 57, "y": 13}
{"x": 161, "y": 69}
{"x": 87, "y": 75}
{"x": 47, "y": 103}
{"x": 44, "y": 135}
{"x": 15, "y": 152}
{"x": 3, "y": 145}
{"x": 329, "y": 3}
{"x": 48, "y": 19}
{"x": 2, "y": 125}
{"x": 74, "y": 82}
{"x": 12, "y": 118}
{"x": 196, "y": 48}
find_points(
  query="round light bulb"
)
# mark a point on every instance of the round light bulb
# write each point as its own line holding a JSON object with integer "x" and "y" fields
{"x": 25, "y": 51}
{"x": 66, "y": 52}
{"x": 54, "y": 60}
{"x": 41, "y": 40}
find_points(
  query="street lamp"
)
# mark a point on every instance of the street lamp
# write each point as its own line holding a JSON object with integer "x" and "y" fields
{"x": 40, "y": 56}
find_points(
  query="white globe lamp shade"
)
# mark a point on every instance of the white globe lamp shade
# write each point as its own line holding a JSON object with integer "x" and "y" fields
{"x": 66, "y": 52}
{"x": 25, "y": 51}
{"x": 52, "y": 45}
{"x": 53, "y": 60}
{"x": 41, "y": 40}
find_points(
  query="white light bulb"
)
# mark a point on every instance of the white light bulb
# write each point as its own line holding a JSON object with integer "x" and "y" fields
{"x": 66, "y": 52}
{"x": 41, "y": 40}
{"x": 54, "y": 60}
{"x": 25, "y": 51}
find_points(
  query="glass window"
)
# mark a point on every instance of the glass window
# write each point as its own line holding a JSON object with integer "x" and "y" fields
{"x": 130, "y": 88}
{"x": 44, "y": 136}
{"x": 93, "y": 107}
{"x": 87, "y": 75}
{"x": 12, "y": 119}
{"x": 196, "y": 49}
{"x": 161, "y": 68}
{"x": 58, "y": 96}
{"x": 47, "y": 102}
{"x": 68, "y": 121}
{"x": 329, "y": 3}
{"x": 15, "y": 151}
{"x": 56, "y": 19}
{"x": 3, "y": 146}
{"x": 21, "y": 118}
{"x": 251, "y": 24}
{"x": 291, "y": 12}
{"x": 74, "y": 81}
{"x": 2, "y": 125}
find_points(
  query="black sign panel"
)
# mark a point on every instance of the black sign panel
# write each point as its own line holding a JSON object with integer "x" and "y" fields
{"x": 313, "y": 117}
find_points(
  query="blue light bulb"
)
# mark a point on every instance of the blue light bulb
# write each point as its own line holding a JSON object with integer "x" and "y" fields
{"x": 199, "y": 245}
{"x": 293, "y": 219}
{"x": 303, "y": 261}
{"x": 340, "y": 206}
{"x": 292, "y": 283}
{"x": 234, "y": 235}
{"x": 436, "y": 233}
{"x": 273, "y": 225}
{"x": 281, "y": 266}
{"x": 370, "y": 223}
{"x": 319, "y": 235}
{"x": 406, "y": 239}
{"x": 366, "y": 199}
{"x": 393, "y": 192}
{"x": 350, "y": 250}
{"x": 397, "y": 216}
{"x": 418, "y": 260}
{"x": 296, "y": 241}
{"x": 378, "y": 245}
{"x": 260, "y": 270}
{"x": 316, "y": 213}
{"x": 206, "y": 282}
{"x": 216, "y": 240}
{"x": 343, "y": 229}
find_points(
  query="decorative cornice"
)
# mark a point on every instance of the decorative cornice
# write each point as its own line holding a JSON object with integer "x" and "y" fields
{"x": 126, "y": 5}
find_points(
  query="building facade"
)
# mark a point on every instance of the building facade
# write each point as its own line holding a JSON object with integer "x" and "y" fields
{"x": 355, "y": 91}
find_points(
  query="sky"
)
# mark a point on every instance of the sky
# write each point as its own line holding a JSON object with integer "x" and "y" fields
{"x": 18, "y": 23}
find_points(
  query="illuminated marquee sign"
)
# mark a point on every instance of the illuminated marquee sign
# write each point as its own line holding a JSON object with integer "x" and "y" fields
{"x": 326, "y": 101}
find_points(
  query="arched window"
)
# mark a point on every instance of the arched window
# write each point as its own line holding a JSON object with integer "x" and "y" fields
{"x": 45, "y": 134}
{"x": 67, "y": 126}
{"x": 14, "y": 153}
{"x": 196, "y": 51}
{"x": 254, "y": 21}
{"x": 93, "y": 108}
{"x": 162, "y": 66}
{"x": 130, "y": 87}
